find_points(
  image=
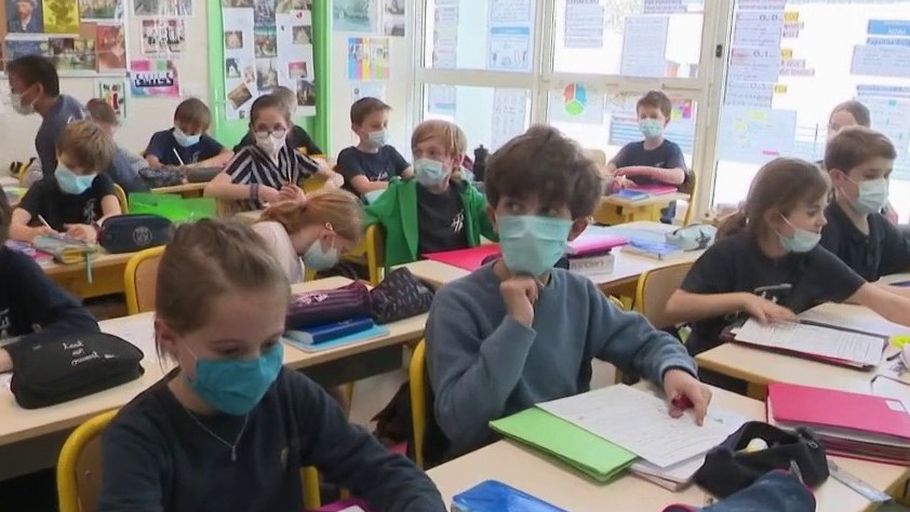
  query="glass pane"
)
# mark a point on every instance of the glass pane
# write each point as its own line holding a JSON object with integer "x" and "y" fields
{"x": 791, "y": 64}
{"x": 496, "y": 35}
{"x": 649, "y": 38}
{"x": 489, "y": 116}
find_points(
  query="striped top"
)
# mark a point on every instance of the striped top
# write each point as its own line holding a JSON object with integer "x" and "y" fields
{"x": 252, "y": 166}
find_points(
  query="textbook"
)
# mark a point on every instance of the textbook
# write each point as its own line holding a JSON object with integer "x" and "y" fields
{"x": 373, "y": 333}
{"x": 658, "y": 250}
{"x": 330, "y": 331}
{"x": 632, "y": 195}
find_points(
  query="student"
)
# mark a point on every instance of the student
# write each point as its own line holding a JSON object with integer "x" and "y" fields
{"x": 320, "y": 228}
{"x": 372, "y": 163}
{"x": 229, "y": 429}
{"x": 77, "y": 198}
{"x": 298, "y": 138}
{"x": 860, "y": 161}
{"x": 270, "y": 171}
{"x": 28, "y": 298}
{"x": 517, "y": 331}
{"x": 437, "y": 210}
{"x": 767, "y": 262}
{"x": 186, "y": 144}
{"x": 126, "y": 165}
{"x": 35, "y": 87}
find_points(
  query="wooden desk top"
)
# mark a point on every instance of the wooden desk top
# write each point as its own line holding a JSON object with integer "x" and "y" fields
{"x": 176, "y": 189}
{"x": 541, "y": 476}
{"x": 19, "y": 424}
{"x": 102, "y": 259}
{"x": 651, "y": 200}
{"x": 760, "y": 367}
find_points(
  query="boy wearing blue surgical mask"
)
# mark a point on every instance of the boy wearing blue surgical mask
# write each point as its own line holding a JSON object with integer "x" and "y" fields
{"x": 438, "y": 210}
{"x": 77, "y": 198}
{"x": 370, "y": 165}
{"x": 860, "y": 161}
{"x": 517, "y": 331}
{"x": 187, "y": 144}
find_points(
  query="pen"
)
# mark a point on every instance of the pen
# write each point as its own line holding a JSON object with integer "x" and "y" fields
{"x": 178, "y": 156}
{"x": 48, "y": 226}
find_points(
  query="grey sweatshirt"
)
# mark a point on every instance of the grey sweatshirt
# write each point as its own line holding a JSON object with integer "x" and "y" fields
{"x": 484, "y": 365}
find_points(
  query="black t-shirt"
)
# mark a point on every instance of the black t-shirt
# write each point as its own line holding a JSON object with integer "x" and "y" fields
{"x": 666, "y": 156}
{"x": 298, "y": 138}
{"x": 883, "y": 251}
{"x": 796, "y": 281}
{"x": 440, "y": 221}
{"x": 156, "y": 456}
{"x": 46, "y": 199}
{"x": 382, "y": 166}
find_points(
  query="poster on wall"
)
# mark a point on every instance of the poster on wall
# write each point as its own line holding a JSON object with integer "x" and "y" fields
{"x": 24, "y": 17}
{"x": 101, "y": 10}
{"x": 393, "y": 18}
{"x": 354, "y": 15}
{"x": 510, "y": 35}
{"x": 61, "y": 16}
{"x": 72, "y": 53}
{"x": 368, "y": 58}
{"x": 239, "y": 61}
{"x": 445, "y": 34}
{"x": 163, "y": 7}
{"x": 154, "y": 78}
{"x": 510, "y": 108}
{"x": 111, "y": 47}
{"x": 113, "y": 91}
{"x": 362, "y": 90}
{"x": 584, "y": 24}
{"x": 161, "y": 36}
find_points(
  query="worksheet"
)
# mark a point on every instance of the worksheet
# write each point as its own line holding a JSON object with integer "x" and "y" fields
{"x": 852, "y": 347}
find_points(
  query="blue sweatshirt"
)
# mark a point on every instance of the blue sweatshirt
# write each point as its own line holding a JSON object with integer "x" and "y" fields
{"x": 157, "y": 458}
{"x": 484, "y": 365}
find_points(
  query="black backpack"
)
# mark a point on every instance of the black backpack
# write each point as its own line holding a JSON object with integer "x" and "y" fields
{"x": 51, "y": 368}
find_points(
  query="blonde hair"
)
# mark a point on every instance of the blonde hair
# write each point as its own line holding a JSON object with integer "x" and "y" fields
{"x": 206, "y": 260}
{"x": 449, "y": 134}
{"x": 87, "y": 145}
{"x": 339, "y": 208}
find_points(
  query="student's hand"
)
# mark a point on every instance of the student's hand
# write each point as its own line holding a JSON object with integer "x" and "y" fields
{"x": 82, "y": 232}
{"x": 333, "y": 181}
{"x": 43, "y": 230}
{"x": 291, "y": 193}
{"x": 519, "y": 294}
{"x": 766, "y": 311}
{"x": 681, "y": 385}
{"x": 268, "y": 194}
{"x": 621, "y": 182}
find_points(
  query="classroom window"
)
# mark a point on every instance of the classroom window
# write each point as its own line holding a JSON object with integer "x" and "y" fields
{"x": 789, "y": 65}
{"x": 491, "y": 116}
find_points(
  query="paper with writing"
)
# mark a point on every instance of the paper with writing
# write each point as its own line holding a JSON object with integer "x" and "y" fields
{"x": 815, "y": 340}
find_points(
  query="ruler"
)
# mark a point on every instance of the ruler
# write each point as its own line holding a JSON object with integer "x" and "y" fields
{"x": 864, "y": 489}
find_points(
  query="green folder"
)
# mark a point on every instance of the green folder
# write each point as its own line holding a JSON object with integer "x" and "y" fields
{"x": 584, "y": 451}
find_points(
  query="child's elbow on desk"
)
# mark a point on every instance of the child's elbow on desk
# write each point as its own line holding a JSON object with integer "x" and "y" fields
{"x": 891, "y": 306}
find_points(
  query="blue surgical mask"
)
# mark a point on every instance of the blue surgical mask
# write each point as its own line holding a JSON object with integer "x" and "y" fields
{"x": 651, "y": 128}
{"x": 379, "y": 138}
{"x": 802, "y": 240}
{"x": 315, "y": 258}
{"x": 429, "y": 173}
{"x": 71, "y": 183}
{"x": 235, "y": 386}
{"x": 532, "y": 244}
{"x": 186, "y": 140}
{"x": 873, "y": 196}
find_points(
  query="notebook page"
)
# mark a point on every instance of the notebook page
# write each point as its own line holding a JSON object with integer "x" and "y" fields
{"x": 849, "y": 316}
{"x": 815, "y": 340}
{"x": 640, "y": 422}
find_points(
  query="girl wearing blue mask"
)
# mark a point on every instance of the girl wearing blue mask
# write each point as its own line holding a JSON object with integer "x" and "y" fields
{"x": 77, "y": 198}
{"x": 229, "y": 429}
{"x": 768, "y": 264}
{"x": 437, "y": 210}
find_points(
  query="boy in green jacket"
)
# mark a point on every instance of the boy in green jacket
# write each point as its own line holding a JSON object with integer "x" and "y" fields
{"x": 437, "y": 210}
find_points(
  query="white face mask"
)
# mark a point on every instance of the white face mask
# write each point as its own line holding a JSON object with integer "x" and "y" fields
{"x": 270, "y": 142}
{"x": 15, "y": 101}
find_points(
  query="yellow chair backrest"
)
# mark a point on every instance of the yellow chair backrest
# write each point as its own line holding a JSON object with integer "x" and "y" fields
{"x": 693, "y": 197}
{"x": 312, "y": 184}
{"x": 654, "y": 290}
{"x": 139, "y": 280}
{"x": 417, "y": 377}
{"x": 375, "y": 245}
{"x": 121, "y": 198}
{"x": 79, "y": 465}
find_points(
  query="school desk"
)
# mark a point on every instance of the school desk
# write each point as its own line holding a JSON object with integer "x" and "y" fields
{"x": 107, "y": 275}
{"x": 187, "y": 190}
{"x": 615, "y": 210}
{"x": 759, "y": 367}
{"x": 31, "y": 439}
{"x": 551, "y": 481}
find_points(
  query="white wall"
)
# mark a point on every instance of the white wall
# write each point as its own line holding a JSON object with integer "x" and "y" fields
{"x": 143, "y": 116}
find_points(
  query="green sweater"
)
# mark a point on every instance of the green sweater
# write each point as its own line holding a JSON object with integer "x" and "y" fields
{"x": 396, "y": 211}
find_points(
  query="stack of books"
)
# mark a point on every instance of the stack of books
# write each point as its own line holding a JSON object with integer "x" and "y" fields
{"x": 334, "y": 334}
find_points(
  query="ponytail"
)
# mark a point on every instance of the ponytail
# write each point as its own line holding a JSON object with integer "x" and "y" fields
{"x": 339, "y": 208}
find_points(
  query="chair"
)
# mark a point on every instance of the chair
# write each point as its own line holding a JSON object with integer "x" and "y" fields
{"x": 121, "y": 198}
{"x": 692, "y": 188}
{"x": 139, "y": 280}
{"x": 596, "y": 155}
{"x": 417, "y": 378}
{"x": 375, "y": 249}
{"x": 79, "y": 465}
{"x": 654, "y": 290}
{"x": 311, "y": 494}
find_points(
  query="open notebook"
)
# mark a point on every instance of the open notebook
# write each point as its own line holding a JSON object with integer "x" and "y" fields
{"x": 828, "y": 344}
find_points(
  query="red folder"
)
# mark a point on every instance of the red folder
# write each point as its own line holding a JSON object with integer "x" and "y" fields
{"x": 468, "y": 259}
{"x": 838, "y": 411}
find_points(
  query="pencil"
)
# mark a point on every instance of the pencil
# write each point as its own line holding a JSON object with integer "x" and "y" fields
{"x": 178, "y": 156}
{"x": 48, "y": 226}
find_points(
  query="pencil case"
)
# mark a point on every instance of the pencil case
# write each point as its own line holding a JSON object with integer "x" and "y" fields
{"x": 495, "y": 496}
{"x": 326, "y": 306}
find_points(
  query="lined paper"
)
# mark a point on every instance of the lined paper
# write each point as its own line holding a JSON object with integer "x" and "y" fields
{"x": 815, "y": 340}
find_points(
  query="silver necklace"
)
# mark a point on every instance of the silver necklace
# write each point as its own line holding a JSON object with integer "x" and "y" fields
{"x": 233, "y": 446}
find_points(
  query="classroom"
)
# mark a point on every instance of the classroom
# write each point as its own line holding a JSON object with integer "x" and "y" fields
{"x": 466, "y": 255}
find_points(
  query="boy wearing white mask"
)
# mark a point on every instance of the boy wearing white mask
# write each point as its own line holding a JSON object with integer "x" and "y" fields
{"x": 860, "y": 161}
{"x": 517, "y": 331}
{"x": 77, "y": 198}
{"x": 187, "y": 144}
{"x": 370, "y": 165}
{"x": 438, "y": 210}
{"x": 269, "y": 171}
